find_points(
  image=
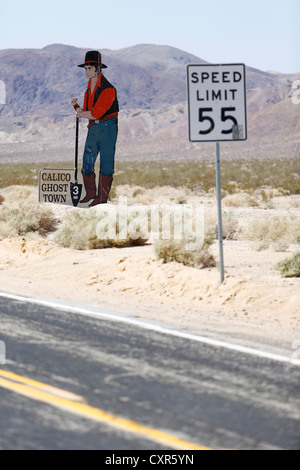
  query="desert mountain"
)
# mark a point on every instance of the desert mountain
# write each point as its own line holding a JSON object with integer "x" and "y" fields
{"x": 151, "y": 84}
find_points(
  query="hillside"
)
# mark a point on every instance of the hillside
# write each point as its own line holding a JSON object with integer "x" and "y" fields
{"x": 151, "y": 84}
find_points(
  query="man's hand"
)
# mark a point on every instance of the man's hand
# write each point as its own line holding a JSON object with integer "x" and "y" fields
{"x": 84, "y": 114}
{"x": 79, "y": 111}
{"x": 75, "y": 105}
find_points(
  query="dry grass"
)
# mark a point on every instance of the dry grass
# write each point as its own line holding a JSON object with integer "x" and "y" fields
{"x": 230, "y": 225}
{"x": 240, "y": 200}
{"x": 76, "y": 230}
{"x": 20, "y": 214}
{"x": 290, "y": 267}
{"x": 187, "y": 251}
{"x": 273, "y": 229}
{"x": 104, "y": 227}
{"x": 236, "y": 175}
{"x": 98, "y": 228}
{"x": 174, "y": 250}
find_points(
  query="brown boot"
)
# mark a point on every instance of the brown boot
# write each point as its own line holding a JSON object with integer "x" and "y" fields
{"x": 105, "y": 182}
{"x": 90, "y": 187}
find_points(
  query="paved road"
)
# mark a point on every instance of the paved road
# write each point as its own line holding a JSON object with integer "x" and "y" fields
{"x": 199, "y": 393}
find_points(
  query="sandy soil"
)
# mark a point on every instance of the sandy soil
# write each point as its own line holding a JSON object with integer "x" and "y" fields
{"x": 254, "y": 306}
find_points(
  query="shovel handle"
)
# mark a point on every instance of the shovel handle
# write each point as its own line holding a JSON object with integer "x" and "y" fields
{"x": 76, "y": 149}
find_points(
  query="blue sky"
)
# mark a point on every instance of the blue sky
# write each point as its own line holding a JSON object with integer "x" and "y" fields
{"x": 261, "y": 33}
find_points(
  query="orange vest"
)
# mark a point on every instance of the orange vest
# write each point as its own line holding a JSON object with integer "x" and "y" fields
{"x": 103, "y": 103}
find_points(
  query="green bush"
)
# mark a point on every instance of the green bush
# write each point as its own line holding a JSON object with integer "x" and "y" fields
{"x": 236, "y": 175}
{"x": 290, "y": 267}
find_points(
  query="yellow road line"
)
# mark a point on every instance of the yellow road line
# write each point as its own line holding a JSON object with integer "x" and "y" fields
{"x": 40, "y": 386}
{"x": 38, "y": 391}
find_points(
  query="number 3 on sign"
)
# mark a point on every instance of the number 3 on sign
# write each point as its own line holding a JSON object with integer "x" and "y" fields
{"x": 204, "y": 116}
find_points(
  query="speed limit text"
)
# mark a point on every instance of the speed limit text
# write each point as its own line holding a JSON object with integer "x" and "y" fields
{"x": 216, "y": 77}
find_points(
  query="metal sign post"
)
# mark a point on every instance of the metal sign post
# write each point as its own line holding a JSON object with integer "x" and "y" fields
{"x": 217, "y": 113}
{"x": 219, "y": 204}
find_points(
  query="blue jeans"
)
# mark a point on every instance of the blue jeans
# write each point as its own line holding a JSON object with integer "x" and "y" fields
{"x": 101, "y": 138}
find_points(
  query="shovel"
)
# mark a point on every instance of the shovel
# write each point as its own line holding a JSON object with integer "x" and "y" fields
{"x": 75, "y": 188}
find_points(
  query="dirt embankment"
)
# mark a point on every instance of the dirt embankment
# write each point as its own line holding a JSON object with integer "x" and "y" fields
{"x": 255, "y": 305}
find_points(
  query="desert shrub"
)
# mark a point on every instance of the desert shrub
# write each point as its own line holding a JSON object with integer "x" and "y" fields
{"x": 274, "y": 229}
{"x": 112, "y": 193}
{"x": 2, "y": 199}
{"x": 230, "y": 226}
{"x": 174, "y": 250}
{"x": 236, "y": 175}
{"x": 112, "y": 231}
{"x": 240, "y": 200}
{"x": 187, "y": 251}
{"x": 290, "y": 267}
{"x": 138, "y": 192}
{"x": 21, "y": 215}
{"x": 186, "y": 240}
{"x": 76, "y": 229}
{"x": 27, "y": 218}
{"x": 197, "y": 175}
{"x": 21, "y": 174}
{"x": 99, "y": 228}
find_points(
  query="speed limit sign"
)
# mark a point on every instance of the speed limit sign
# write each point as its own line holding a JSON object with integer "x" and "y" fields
{"x": 217, "y": 102}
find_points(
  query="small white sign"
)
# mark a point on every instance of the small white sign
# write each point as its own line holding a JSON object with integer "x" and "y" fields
{"x": 217, "y": 102}
{"x": 54, "y": 186}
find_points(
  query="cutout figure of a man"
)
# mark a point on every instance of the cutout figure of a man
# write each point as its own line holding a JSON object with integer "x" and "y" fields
{"x": 101, "y": 109}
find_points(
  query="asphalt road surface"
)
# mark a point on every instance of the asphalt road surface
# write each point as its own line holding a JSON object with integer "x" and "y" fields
{"x": 121, "y": 386}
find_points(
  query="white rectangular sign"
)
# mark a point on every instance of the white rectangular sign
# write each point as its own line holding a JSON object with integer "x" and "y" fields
{"x": 54, "y": 186}
{"x": 217, "y": 102}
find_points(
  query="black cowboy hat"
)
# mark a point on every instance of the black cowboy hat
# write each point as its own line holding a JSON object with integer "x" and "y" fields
{"x": 93, "y": 58}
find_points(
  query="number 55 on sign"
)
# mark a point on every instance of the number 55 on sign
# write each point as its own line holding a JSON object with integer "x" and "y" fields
{"x": 217, "y": 102}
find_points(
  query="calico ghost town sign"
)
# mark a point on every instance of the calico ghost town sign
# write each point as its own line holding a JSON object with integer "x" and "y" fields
{"x": 54, "y": 186}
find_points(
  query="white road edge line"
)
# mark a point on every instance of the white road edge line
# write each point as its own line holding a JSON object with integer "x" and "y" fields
{"x": 141, "y": 323}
